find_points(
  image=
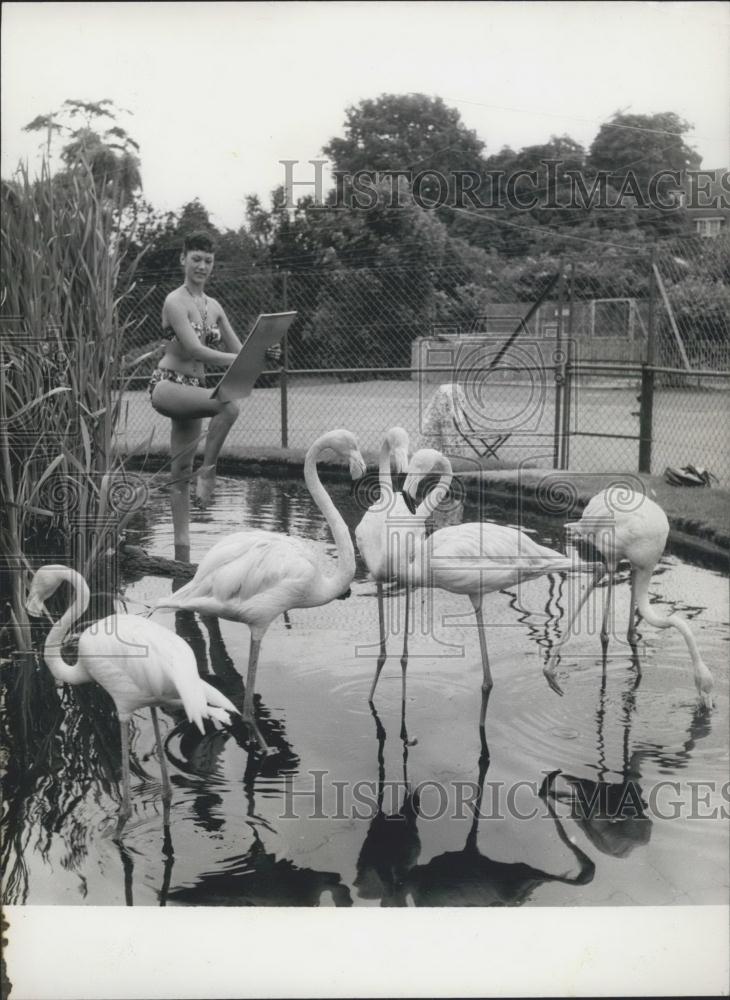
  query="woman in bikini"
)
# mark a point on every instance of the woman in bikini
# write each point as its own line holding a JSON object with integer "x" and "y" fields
{"x": 194, "y": 325}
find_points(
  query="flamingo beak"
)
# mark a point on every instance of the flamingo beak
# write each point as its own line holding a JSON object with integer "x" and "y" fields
{"x": 410, "y": 489}
{"x": 357, "y": 466}
{"x": 409, "y": 501}
{"x": 401, "y": 460}
{"x": 36, "y": 608}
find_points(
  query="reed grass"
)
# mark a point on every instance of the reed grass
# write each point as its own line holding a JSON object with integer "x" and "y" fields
{"x": 62, "y": 380}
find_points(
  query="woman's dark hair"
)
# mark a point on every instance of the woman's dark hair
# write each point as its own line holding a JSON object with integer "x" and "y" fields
{"x": 199, "y": 240}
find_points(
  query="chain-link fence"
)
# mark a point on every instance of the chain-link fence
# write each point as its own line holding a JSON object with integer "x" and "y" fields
{"x": 692, "y": 281}
{"x": 554, "y": 362}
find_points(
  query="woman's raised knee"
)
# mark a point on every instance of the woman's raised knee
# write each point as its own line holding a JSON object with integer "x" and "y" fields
{"x": 231, "y": 411}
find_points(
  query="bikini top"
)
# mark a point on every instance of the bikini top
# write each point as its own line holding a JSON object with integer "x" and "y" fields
{"x": 207, "y": 334}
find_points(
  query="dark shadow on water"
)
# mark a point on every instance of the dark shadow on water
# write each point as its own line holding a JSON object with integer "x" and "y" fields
{"x": 612, "y": 814}
{"x": 260, "y": 878}
{"x": 126, "y": 856}
{"x": 387, "y": 868}
{"x": 198, "y": 757}
{"x": 216, "y": 667}
{"x": 392, "y": 845}
{"x": 257, "y": 877}
{"x": 470, "y": 878}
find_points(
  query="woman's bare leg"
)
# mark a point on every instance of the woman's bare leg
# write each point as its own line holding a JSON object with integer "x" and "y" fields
{"x": 184, "y": 403}
{"x": 218, "y": 430}
{"x": 183, "y": 443}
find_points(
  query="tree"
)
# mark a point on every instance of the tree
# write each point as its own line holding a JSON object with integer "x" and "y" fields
{"x": 635, "y": 150}
{"x": 407, "y": 132}
{"x": 94, "y": 136}
{"x": 536, "y": 204}
{"x": 644, "y": 144}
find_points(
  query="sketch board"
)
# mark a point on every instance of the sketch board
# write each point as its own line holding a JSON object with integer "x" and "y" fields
{"x": 239, "y": 380}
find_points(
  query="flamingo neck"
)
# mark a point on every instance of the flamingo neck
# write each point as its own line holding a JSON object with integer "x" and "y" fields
{"x": 384, "y": 477}
{"x": 643, "y": 577}
{"x": 69, "y": 673}
{"x": 432, "y": 500}
{"x": 341, "y": 579}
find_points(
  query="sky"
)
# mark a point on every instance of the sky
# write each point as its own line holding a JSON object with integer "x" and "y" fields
{"x": 220, "y": 93}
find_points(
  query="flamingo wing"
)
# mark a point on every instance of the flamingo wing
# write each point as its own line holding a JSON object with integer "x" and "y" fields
{"x": 233, "y": 548}
{"x": 251, "y": 577}
{"x": 486, "y": 557}
{"x": 142, "y": 663}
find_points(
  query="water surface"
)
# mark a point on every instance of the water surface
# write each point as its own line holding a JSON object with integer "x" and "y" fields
{"x": 346, "y": 812}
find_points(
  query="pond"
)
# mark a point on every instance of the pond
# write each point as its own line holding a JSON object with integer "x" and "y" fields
{"x": 613, "y": 794}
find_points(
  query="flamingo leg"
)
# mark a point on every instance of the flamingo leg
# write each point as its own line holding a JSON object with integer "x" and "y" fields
{"x": 128, "y": 869}
{"x": 404, "y": 666}
{"x": 248, "y": 710}
{"x": 482, "y": 719}
{"x": 632, "y": 635}
{"x": 487, "y": 682}
{"x": 166, "y": 787}
{"x": 169, "y": 853}
{"x": 382, "y": 655}
{"x": 549, "y": 668}
{"x": 125, "y": 809}
{"x": 404, "y": 655}
{"x": 607, "y": 613}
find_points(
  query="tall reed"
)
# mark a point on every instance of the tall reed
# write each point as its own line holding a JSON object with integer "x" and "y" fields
{"x": 61, "y": 380}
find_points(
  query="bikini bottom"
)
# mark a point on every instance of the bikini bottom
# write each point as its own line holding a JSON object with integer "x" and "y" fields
{"x": 168, "y": 375}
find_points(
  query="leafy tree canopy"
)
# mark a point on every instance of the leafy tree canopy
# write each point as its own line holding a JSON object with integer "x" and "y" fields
{"x": 635, "y": 149}
{"x": 405, "y": 132}
{"x": 92, "y": 134}
{"x": 644, "y": 144}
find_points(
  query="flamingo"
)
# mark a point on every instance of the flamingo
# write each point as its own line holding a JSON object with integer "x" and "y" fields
{"x": 393, "y": 524}
{"x": 138, "y": 662}
{"x": 627, "y": 525}
{"x": 476, "y": 559}
{"x": 254, "y": 576}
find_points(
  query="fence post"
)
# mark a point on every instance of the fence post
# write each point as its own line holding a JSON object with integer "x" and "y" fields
{"x": 567, "y": 372}
{"x": 283, "y": 374}
{"x": 646, "y": 399}
{"x": 559, "y": 369}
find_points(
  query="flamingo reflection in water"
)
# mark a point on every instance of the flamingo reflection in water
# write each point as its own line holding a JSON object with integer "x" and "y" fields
{"x": 199, "y": 758}
{"x": 387, "y": 867}
{"x": 257, "y": 877}
{"x": 261, "y": 877}
{"x": 392, "y": 845}
{"x": 611, "y": 813}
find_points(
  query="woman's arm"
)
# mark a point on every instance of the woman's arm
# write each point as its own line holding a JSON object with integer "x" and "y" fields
{"x": 229, "y": 337}
{"x": 232, "y": 342}
{"x": 175, "y": 315}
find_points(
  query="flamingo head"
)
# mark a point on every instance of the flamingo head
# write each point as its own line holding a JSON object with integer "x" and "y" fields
{"x": 345, "y": 444}
{"x": 426, "y": 461}
{"x": 397, "y": 438}
{"x": 46, "y": 582}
